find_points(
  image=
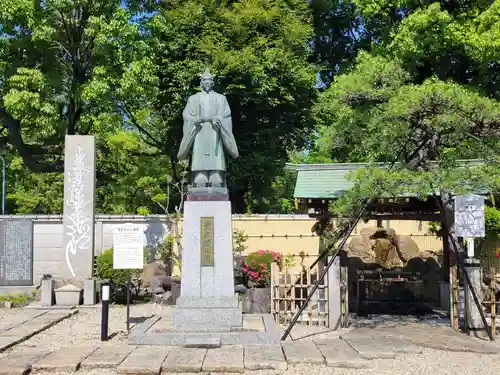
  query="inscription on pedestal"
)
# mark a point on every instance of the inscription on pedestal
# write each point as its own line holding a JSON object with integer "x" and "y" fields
{"x": 207, "y": 241}
{"x": 16, "y": 252}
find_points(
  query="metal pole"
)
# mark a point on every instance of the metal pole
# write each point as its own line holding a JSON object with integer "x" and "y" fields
{"x": 104, "y": 311}
{"x": 3, "y": 185}
{"x": 129, "y": 286}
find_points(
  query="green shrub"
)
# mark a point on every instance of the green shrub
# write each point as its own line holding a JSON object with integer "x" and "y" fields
{"x": 257, "y": 267}
{"x": 165, "y": 249}
{"x": 117, "y": 278}
{"x": 239, "y": 241}
{"x": 17, "y": 300}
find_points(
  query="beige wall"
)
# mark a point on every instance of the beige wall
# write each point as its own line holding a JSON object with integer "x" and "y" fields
{"x": 287, "y": 234}
{"x": 291, "y": 234}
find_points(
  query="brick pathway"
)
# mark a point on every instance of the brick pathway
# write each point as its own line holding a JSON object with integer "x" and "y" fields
{"x": 19, "y": 327}
{"x": 353, "y": 350}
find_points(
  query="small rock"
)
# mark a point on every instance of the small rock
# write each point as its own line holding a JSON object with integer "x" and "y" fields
{"x": 241, "y": 289}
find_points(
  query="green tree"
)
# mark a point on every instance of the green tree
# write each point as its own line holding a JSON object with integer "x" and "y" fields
{"x": 122, "y": 72}
{"x": 74, "y": 67}
{"x": 258, "y": 51}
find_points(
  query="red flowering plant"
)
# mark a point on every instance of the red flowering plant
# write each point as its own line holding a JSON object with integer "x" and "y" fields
{"x": 257, "y": 266}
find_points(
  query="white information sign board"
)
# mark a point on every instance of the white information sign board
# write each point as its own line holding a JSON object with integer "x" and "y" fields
{"x": 469, "y": 216}
{"x": 469, "y": 219}
{"x": 128, "y": 247}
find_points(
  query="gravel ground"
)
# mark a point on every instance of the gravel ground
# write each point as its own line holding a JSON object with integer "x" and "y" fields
{"x": 84, "y": 329}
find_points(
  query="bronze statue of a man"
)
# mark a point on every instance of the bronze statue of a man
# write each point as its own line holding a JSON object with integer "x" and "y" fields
{"x": 207, "y": 134}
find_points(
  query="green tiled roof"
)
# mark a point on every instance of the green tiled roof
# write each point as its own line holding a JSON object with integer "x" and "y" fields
{"x": 323, "y": 180}
{"x": 328, "y": 181}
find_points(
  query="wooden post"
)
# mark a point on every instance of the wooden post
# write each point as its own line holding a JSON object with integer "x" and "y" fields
{"x": 309, "y": 304}
{"x": 493, "y": 305}
{"x": 454, "y": 287}
{"x": 274, "y": 295}
{"x": 294, "y": 297}
{"x": 344, "y": 305}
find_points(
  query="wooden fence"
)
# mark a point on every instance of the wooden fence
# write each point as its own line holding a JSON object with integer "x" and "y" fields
{"x": 289, "y": 290}
{"x": 291, "y": 285}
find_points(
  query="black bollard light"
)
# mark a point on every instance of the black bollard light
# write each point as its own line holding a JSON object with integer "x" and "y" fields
{"x": 104, "y": 311}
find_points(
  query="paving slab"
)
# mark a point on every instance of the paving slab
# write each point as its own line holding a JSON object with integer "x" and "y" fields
{"x": 9, "y": 341}
{"x": 19, "y": 363}
{"x": 64, "y": 359}
{"x": 184, "y": 360}
{"x": 107, "y": 357}
{"x": 144, "y": 360}
{"x": 398, "y": 345}
{"x": 14, "y": 320}
{"x": 253, "y": 323}
{"x": 454, "y": 344}
{"x": 339, "y": 354}
{"x": 442, "y": 338}
{"x": 302, "y": 351}
{"x": 368, "y": 348}
{"x": 36, "y": 325}
{"x": 264, "y": 358}
{"x": 225, "y": 359}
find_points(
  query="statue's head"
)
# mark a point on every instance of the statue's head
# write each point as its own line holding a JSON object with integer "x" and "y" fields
{"x": 206, "y": 81}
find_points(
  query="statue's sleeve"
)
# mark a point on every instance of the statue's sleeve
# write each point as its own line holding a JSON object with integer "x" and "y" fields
{"x": 189, "y": 129}
{"x": 226, "y": 131}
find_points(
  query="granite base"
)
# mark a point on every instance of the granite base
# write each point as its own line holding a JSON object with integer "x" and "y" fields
{"x": 206, "y": 319}
{"x": 144, "y": 334}
{"x": 187, "y": 302}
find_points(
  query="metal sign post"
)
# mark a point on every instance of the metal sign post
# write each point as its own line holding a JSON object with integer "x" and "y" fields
{"x": 128, "y": 253}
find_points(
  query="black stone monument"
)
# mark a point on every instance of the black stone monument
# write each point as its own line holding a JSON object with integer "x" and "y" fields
{"x": 16, "y": 252}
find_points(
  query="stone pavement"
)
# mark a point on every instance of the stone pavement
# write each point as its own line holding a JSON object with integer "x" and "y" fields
{"x": 355, "y": 349}
{"x": 20, "y": 327}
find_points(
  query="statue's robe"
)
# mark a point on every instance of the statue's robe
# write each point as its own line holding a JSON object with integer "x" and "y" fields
{"x": 207, "y": 144}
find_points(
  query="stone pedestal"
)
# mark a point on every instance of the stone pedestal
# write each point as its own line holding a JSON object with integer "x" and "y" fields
{"x": 472, "y": 267}
{"x": 89, "y": 292}
{"x": 47, "y": 292}
{"x": 69, "y": 295}
{"x": 207, "y": 301}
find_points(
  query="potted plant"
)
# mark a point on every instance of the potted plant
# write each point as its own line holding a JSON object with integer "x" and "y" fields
{"x": 257, "y": 268}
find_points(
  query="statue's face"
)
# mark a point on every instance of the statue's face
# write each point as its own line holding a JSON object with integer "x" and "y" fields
{"x": 207, "y": 84}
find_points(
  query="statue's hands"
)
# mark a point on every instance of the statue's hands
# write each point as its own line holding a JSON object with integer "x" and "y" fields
{"x": 216, "y": 124}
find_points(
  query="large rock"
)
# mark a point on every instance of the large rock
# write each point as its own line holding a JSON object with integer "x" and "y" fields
{"x": 407, "y": 247}
{"x": 383, "y": 246}
{"x": 154, "y": 276}
{"x": 378, "y": 232}
{"x": 361, "y": 247}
